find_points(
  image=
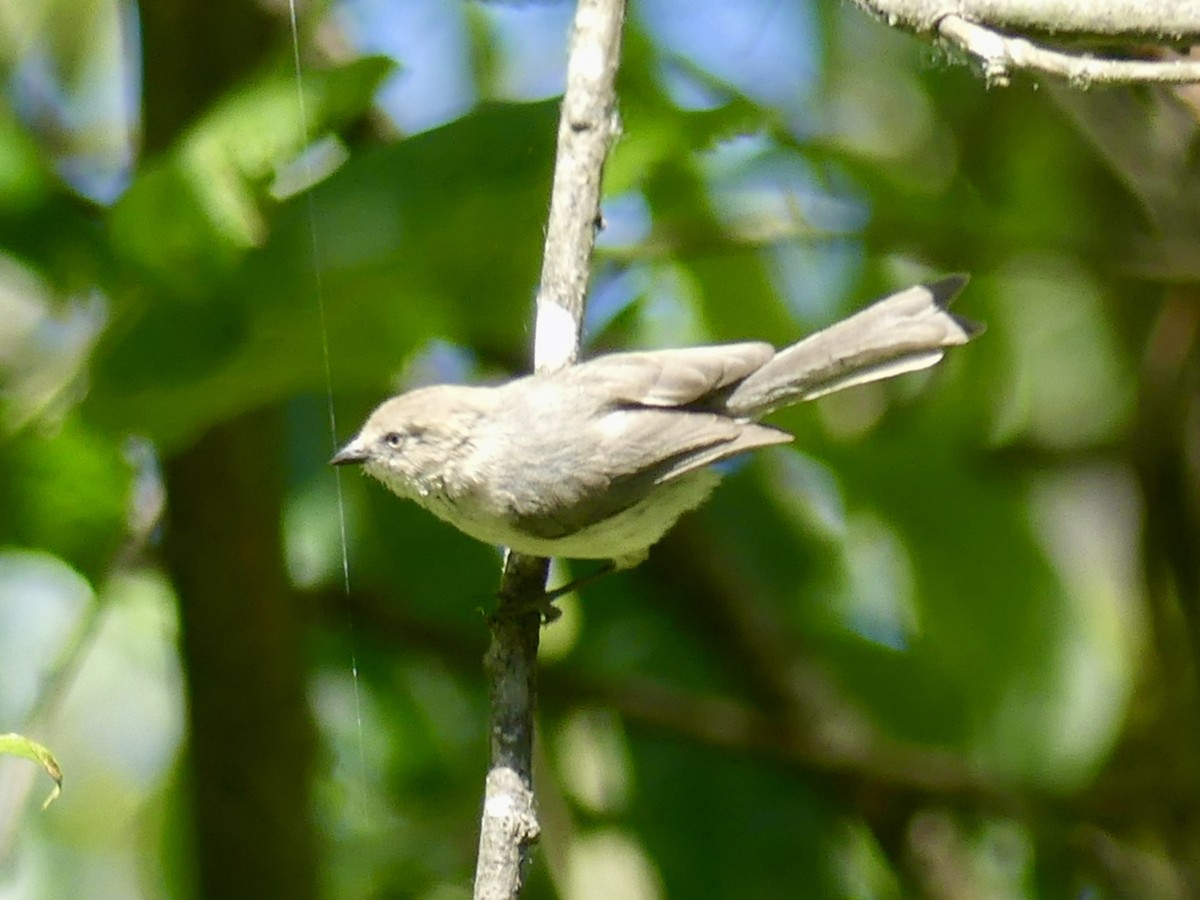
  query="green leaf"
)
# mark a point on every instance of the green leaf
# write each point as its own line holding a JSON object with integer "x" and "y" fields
{"x": 656, "y": 132}
{"x": 438, "y": 235}
{"x": 19, "y": 745}
{"x": 24, "y": 181}
{"x": 190, "y": 217}
{"x": 66, "y": 492}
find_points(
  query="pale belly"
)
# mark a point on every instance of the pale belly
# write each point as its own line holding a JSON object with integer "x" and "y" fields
{"x": 624, "y": 538}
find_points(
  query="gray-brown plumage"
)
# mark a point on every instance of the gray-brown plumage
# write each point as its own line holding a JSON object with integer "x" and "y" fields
{"x": 598, "y": 460}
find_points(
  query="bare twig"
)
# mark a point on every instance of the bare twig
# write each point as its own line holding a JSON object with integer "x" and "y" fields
{"x": 586, "y": 130}
{"x": 509, "y": 821}
{"x": 1002, "y": 53}
{"x": 1167, "y": 19}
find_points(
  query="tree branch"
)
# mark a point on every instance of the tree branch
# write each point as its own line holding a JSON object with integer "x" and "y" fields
{"x": 586, "y": 130}
{"x": 1173, "y": 20}
{"x": 987, "y": 30}
{"x": 1002, "y": 53}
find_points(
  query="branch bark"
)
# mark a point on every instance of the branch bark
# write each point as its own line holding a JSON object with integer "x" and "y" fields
{"x": 1002, "y": 53}
{"x": 1166, "y": 19}
{"x": 991, "y": 30}
{"x": 587, "y": 128}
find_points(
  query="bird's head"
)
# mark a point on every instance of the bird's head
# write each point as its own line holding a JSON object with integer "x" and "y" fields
{"x": 408, "y": 441}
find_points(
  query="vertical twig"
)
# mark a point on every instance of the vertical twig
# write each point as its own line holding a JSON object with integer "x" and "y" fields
{"x": 586, "y": 131}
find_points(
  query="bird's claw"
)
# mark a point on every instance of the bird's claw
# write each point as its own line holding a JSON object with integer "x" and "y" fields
{"x": 543, "y": 605}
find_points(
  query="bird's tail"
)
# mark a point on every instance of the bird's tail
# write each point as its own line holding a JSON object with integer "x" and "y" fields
{"x": 901, "y": 333}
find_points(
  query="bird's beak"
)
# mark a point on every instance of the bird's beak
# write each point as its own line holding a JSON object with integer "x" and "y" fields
{"x": 353, "y": 452}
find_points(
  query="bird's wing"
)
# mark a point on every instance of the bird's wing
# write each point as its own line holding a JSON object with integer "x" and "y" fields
{"x": 674, "y": 442}
{"x": 639, "y": 417}
{"x": 632, "y": 451}
{"x": 666, "y": 378}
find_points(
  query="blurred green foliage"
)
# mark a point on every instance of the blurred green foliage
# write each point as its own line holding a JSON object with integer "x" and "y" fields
{"x": 928, "y": 650}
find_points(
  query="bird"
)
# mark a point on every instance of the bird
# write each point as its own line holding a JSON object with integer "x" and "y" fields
{"x": 597, "y": 461}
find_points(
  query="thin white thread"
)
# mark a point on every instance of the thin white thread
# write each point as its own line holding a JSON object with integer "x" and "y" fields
{"x": 333, "y": 431}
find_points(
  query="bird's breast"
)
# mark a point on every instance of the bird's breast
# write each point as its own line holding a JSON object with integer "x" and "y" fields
{"x": 625, "y": 535}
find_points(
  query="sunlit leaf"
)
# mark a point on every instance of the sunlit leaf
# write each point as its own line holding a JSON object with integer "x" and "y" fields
{"x": 19, "y": 745}
{"x": 189, "y": 217}
{"x": 66, "y": 491}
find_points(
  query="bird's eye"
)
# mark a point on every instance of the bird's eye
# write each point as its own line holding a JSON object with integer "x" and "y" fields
{"x": 393, "y": 439}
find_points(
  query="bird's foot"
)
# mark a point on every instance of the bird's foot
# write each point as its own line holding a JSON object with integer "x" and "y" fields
{"x": 544, "y": 602}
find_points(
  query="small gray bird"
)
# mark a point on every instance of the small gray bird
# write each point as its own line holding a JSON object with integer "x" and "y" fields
{"x": 598, "y": 460}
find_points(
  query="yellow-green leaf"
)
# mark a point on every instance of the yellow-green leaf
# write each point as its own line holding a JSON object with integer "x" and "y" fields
{"x": 19, "y": 745}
